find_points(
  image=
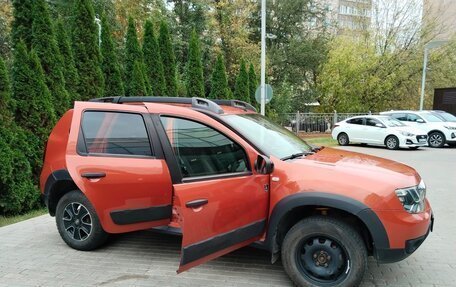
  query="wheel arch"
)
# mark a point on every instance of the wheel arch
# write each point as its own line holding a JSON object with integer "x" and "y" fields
{"x": 294, "y": 208}
{"x": 438, "y": 131}
{"x": 57, "y": 185}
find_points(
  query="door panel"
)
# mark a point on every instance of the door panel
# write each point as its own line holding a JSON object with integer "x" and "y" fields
{"x": 128, "y": 186}
{"x": 234, "y": 216}
{"x": 221, "y": 204}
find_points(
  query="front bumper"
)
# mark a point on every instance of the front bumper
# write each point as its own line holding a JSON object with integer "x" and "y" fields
{"x": 398, "y": 254}
{"x": 413, "y": 141}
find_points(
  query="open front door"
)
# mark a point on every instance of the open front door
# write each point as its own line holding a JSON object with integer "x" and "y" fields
{"x": 221, "y": 202}
{"x": 112, "y": 158}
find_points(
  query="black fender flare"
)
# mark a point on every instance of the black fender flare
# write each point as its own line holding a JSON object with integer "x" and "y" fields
{"x": 349, "y": 205}
{"x": 57, "y": 183}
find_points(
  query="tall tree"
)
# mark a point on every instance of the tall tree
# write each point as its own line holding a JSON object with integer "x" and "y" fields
{"x": 253, "y": 83}
{"x": 133, "y": 54}
{"x": 70, "y": 72}
{"x": 22, "y": 23}
{"x": 34, "y": 110}
{"x": 5, "y": 94}
{"x": 45, "y": 45}
{"x": 219, "y": 82}
{"x": 137, "y": 84}
{"x": 109, "y": 64}
{"x": 86, "y": 51}
{"x": 241, "y": 88}
{"x": 195, "y": 78}
{"x": 153, "y": 62}
{"x": 168, "y": 58}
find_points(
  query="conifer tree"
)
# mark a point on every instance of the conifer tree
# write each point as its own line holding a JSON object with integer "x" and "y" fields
{"x": 219, "y": 82}
{"x": 153, "y": 62}
{"x": 133, "y": 53}
{"x": 6, "y": 112}
{"x": 70, "y": 72}
{"x": 45, "y": 45}
{"x": 137, "y": 84}
{"x": 22, "y": 23}
{"x": 169, "y": 59}
{"x": 253, "y": 83}
{"x": 241, "y": 88}
{"x": 86, "y": 51}
{"x": 195, "y": 78}
{"x": 110, "y": 65}
{"x": 34, "y": 109}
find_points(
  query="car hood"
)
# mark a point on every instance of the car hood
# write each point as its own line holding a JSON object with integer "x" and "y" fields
{"x": 410, "y": 129}
{"x": 342, "y": 158}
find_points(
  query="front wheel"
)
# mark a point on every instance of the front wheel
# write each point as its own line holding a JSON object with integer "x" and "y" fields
{"x": 436, "y": 139}
{"x": 322, "y": 251}
{"x": 392, "y": 142}
{"x": 78, "y": 223}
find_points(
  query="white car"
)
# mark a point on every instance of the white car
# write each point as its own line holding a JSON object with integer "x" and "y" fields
{"x": 439, "y": 132}
{"x": 378, "y": 130}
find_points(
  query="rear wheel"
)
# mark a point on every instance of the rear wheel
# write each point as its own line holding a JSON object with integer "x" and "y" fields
{"x": 322, "y": 251}
{"x": 78, "y": 223}
{"x": 436, "y": 139}
{"x": 392, "y": 142}
{"x": 342, "y": 139}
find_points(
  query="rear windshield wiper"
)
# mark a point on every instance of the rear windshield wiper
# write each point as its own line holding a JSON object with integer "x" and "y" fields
{"x": 296, "y": 155}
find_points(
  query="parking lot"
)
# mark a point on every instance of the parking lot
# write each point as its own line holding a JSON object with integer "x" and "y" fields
{"x": 32, "y": 253}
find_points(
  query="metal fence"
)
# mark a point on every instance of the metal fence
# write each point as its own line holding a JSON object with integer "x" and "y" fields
{"x": 314, "y": 122}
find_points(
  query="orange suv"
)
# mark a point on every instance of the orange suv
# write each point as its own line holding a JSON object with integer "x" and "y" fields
{"x": 224, "y": 177}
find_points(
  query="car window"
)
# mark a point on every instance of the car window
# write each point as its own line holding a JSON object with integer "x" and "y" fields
{"x": 393, "y": 122}
{"x": 413, "y": 117}
{"x": 445, "y": 116}
{"x": 115, "y": 133}
{"x": 399, "y": 116}
{"x": 203, "y": 151}
{"x": 356, "y": 121}
{"x": 372, "y": 122}
{"x": 431, "y": 118}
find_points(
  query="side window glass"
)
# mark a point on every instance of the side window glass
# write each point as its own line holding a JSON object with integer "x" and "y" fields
{"x": 356, "y": 121}
{"x": 203, "y": 151}
{"x": 115, "y": 133}
{"x": 400, "y": 117}
{"x": 372, "y": 122}
{"x": 412, "y": 117}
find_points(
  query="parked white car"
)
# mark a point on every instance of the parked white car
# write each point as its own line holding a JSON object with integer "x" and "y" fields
{"x": 378, "y": 130}
{"x": 439, "y": 131}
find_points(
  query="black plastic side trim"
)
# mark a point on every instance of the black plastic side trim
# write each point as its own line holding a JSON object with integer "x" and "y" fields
{"x": 130, "y": 216}
{"x": 58, "y": 181}
{"x": 358, "y": 209}
{"x": 207, "y": 247}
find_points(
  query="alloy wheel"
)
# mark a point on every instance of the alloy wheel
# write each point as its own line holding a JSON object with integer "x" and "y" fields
{"x": 391, "y": 143}
{"x": 77, "y": 221}
{"x": 435, "y": 140}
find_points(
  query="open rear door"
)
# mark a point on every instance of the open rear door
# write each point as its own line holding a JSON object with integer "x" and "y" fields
{"x": 114, "y": 161}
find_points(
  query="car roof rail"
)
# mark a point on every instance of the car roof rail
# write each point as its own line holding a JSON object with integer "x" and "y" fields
{"x": 197, "y": 103}
{"x": 237, "y": 104}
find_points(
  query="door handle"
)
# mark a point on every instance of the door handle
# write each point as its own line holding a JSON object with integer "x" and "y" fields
{"x": 196, "y": 203}
{"x": 93, "y": 175}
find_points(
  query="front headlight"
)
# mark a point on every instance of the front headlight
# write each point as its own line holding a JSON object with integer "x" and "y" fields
{"x": 450, "y": 128}
{"x": 407, "y": 134}
{"x": 413, "y": 198}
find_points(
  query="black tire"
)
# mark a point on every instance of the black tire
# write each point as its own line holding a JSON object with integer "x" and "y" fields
{"x": 436, "y": 139}
{"x": 308, "y": 245}
{"x": 78, "y": 223}
{"x": 392, "y": 142}
{"x": 414, "y": 147}
{"x": 342, "y": 139}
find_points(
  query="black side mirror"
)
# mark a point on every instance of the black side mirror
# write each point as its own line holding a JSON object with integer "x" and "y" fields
{"x": 263, "y": 165}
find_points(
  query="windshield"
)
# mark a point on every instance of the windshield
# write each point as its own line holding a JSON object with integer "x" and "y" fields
{"x": 269, "y": 137}
{"x": 393, "y": 122}
{"x": 446, "y": 117}
{"x": 431, "y": 118}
